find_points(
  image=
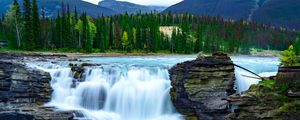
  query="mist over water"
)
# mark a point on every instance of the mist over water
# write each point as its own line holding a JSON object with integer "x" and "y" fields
{"x": 130, "y": 88}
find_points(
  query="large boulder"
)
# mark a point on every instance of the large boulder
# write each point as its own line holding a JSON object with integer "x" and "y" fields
{"x": 200, "y": 87}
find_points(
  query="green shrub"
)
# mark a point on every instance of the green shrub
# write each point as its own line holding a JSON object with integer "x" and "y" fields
{"x": 284, "y": 88}
{"x": 289, "y": 57}
{"x": 268, "y": 83}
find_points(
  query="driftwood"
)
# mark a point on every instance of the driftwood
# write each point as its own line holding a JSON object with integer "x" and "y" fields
{"x": 259, "y": 77}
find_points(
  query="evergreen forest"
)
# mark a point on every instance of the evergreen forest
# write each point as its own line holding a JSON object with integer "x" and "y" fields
{"x": 27, "y": 28}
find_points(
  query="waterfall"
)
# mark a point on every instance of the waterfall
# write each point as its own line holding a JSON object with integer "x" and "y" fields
{"x": 263, "y": 66}
{"x": 132, "y": 88}
{"x": 114, "y": 92}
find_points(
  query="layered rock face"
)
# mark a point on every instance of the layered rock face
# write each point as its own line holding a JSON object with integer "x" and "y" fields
{"x": 22, "y": 85}
{"x": 289, "y": 76}
{"x": 24, "y": 91}
{"x": 259, "y": 103}
{"x": 200, "y": 87}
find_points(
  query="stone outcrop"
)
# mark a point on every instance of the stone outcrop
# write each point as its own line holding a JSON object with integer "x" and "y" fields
{"x": 264, "y": 103}
{"x": 270, "y": 99}
{"x": 36, "y": 113}
{"x": 258, "y": 103}
{"x": 22, "y": 85}
{"x": 200, "y": 87}
{"x": 23, "y": 92}
{"x": 289, "y": 76}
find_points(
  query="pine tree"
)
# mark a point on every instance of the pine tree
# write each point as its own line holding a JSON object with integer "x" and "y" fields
{"x": 87, "y": 29}
{"x": 75, "y": 32}
{"x": 99, "y": 39}
{"x": 79, "y": 28}
{"x": 198, "y": 43}
{"x": 83, "y": 30}
{"x": 125, "y": 41}
{"x": 36, "y": 26}
{"x": 58, "y": 36}
{"x": 13, "y": 21}
{"x": 64, "y": 26}
{"x": 134, "y": 38}
{"x": 88, "y": 42}
{"x": 91, "y": 31}
{"x": 43, "y": 26}
{"x": 28, "y": 42}
{"x": 173, "y": 41}
{"x": 67, "y": 19}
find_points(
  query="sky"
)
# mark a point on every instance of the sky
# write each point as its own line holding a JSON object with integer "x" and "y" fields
{"x": 146, "y": 2}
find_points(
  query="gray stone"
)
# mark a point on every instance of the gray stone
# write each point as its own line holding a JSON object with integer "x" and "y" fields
{"x": 200, "y": 87}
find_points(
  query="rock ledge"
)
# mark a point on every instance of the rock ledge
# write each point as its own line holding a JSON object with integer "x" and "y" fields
{"x": 200, "y": 87}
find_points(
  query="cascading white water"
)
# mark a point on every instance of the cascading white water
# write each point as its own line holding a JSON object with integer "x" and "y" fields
{"x": 132, "y": 88}
{"x": 115, "y": 92}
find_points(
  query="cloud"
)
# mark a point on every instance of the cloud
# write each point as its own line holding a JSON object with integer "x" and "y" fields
{"x": 146, "y": 2}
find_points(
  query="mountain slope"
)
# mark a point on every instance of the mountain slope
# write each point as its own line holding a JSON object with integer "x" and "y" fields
{"x": 236, "y": 9}
{"x": 279, "y": 13}
{"x": 52, "y": 6}
{"x": 131, "y": 8}
{"x": 276, "y": 12}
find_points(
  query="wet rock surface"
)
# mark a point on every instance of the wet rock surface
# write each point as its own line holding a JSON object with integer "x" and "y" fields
{"x": 35, "y": 113}
{"x": 22, "y": 85}
{"x": 24, "y": 90}
{"x": 200, "y": 87}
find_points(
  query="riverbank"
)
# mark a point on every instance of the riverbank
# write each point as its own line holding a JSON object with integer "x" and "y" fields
{"x": 256, "y": 53}
{"x": 82, "y": 54}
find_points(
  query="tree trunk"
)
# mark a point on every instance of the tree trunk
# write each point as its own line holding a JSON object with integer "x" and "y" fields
{"x": 18, "y": 35}
{"x": 79, "y": 42}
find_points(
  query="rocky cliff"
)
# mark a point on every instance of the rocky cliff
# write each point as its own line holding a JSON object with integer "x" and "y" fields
{"x": 24, "y": 91}
{"x": 22, "y": 85}
{"x": 200, "y": 87}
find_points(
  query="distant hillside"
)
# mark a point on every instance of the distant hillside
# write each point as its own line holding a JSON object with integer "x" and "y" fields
{"x": 236, "y": 9}
{"x": 52, "y": 6}
{"x": 280, "y": 13}
{"x": 131, "y": 8}
{"x": 276, "y": 12}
